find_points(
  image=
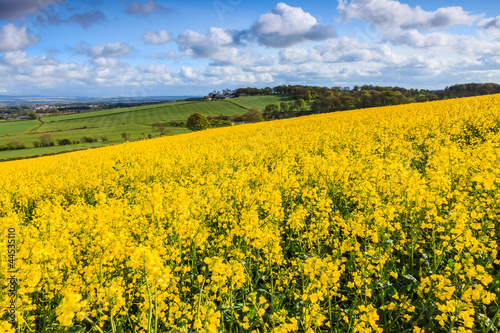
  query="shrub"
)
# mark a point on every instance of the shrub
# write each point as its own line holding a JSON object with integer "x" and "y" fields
{"x": 253, "y": 116}
{"x": 64, "y": 142}
{"x": 161, "y": 128}
{"x": 126, "y": 136}
{"x": 104, "y": 138}
{"x": 15, "y": 144}
{"x": 88, "y": 139}
{"x": 46, "y": 140}
{"x": 197, "y": 122}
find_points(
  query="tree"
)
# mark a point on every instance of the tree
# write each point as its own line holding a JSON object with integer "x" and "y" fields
{"x": 126, "y": 136}
{"x": 271, "y": 108}
{"x": 64, "y": 141}
{"x": 316, "y": 106}
{"x": 301, "y": 104}
{"x": 293, "y": 106}
{"x": 46, "y": 140}
{"x": 307, "y": 96}
{"x": 32, "y": 115}
{"x": 284, "y": 107}
{"x": 161, "y": 128}
{"x": 15, "y": 144}
{"x": 272, "y": 111}
{"x": 253, "y": 116}
{"x": 197, "y": 122}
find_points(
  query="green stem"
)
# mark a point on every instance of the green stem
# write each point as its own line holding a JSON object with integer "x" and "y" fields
{"x": 490, "y": 326}
{"x": 93, "y": 324}
{"x": 150, "y": 314}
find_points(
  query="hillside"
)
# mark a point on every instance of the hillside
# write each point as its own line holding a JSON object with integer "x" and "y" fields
{"x": 384, "y": 219}
{"x": 137, "y": 121}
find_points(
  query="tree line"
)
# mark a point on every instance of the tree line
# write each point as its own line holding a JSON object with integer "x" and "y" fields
{"x": 314, "y": 99}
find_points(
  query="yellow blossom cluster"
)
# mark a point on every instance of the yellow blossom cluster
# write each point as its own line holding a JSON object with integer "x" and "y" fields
{"x": 376, "y": 220}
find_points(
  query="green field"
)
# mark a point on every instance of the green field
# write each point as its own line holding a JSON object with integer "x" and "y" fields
{"x": 259, "y": 102}
{"x": 17, "y": 127}
{"x": 113, "y": 111}
{"x": 137, "y": 121}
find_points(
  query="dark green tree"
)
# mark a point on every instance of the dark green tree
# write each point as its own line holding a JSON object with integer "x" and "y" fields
{"x": 253, "y": 116}
{"x": 293, "y": 106}
{"x": 197, "y": 122}
{"x": 284, "y": 107}
{"x": 316, "y": 106}
{"x": 272, "y": 111}
{"x": 161, "y": 128}
{"x": 301, "y": 104}
{"x": 307, "y": 96}
{"x": 46, "y": 140}
{"x": 126, "y": 136}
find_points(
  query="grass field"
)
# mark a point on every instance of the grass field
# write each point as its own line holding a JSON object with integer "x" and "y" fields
{"x": 113, "y": 111}
{"x": 259, "y": 102}
{"x": 17, "y": 127}
{"x": 136, "y": 121}
{"x": 374, "y": 220}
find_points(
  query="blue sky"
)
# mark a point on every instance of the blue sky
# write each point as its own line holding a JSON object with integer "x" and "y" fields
{"x": 160, "y": 47}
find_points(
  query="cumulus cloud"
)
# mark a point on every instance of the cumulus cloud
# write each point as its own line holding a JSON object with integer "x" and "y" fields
{"x": 157, "y": 38}
{"x": 110, "y": 50}
{"x": 13, "y": 38}
{"x": 88, "y": 18}
{"x": 340, "y": 50}
{"x": 491, "y": 25}
{"x": 217, "y": 44}
{"x": 106, "y": 62}
{"x": 285, "y": 26}
{"x": 19, "y": 58}
{"x": 169, "y": 55}
{"x": 443, "y": 42}
{"x": 15, "y": 9}
{"x": 388, "y": 14}
{"x": 103, "y": 50}
{"x": 149, "y": 7}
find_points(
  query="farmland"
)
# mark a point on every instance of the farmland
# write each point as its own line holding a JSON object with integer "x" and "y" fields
{"x": 137, "y": 121}
{"x": 376, "y": 220}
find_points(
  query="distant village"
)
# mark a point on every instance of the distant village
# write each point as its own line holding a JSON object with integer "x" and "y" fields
{"x": 35, "y": 111}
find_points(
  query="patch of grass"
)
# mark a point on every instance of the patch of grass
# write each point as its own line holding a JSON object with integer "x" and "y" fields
{"x": 110, "y": 111}
{"x": 260, "y": 102}
{"x": 17, "y": 126}
{"x": 35, "y": 152}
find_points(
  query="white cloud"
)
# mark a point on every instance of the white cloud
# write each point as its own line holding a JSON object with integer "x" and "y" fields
{"x": 157, "y": 38}
{"x": 107, "y": 62}
{"x": 340, "y": 50}
{"x": 491, "y": 25}
{"x": 388, "y": 14}
{"x": 169, "y": 55}
{"x": 19, "y": 58}
{"x": 217, "y": 44}
{"x": 107, "y": 50}
{"x": 13, "y": 38}
{"x": 285, "y": 26}
{"x": 443, "y": 42}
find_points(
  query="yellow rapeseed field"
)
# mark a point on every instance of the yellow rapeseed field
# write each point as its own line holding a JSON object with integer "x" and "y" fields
{"x": 378, "y": 220}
